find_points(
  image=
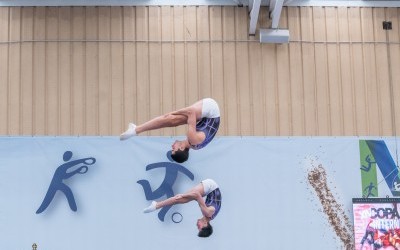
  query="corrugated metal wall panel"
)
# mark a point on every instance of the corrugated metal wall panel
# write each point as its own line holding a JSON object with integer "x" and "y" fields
{"x": 4, "y": 17}
{"x": 91, "y": 70}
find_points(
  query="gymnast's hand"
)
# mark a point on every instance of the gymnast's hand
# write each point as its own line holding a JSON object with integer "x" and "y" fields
{"x": 178, "y": 196}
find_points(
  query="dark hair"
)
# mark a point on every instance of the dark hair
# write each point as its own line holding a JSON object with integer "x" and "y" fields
{"x": 180, "y": 155}
{"x": 206, "y": 231}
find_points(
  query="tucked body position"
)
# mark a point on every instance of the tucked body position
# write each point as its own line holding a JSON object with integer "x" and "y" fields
{"x": 202, "y": 118}
{"x": 209, "y": 206}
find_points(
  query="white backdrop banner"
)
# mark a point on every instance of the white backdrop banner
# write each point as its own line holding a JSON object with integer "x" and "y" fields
{"x": 88, "y": 193}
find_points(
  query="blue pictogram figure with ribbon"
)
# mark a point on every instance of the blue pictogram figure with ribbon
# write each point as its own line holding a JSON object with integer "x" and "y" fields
{"x": 61, "y": 174}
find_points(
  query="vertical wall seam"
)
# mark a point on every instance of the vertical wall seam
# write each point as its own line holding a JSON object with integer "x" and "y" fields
{"x": 226, "y": 113}
{"x": 136, "y": 67}
{"x": 83, "y": 129}
{"x": 147, "y": 10}
{"x": 354, "y": 110}
{"x": 339, "y": 66}
{"x": 366, "y": 104}
{"x": 123, "y": 89}
{"x": 303, "y": 106}
{"x": 238, "y": 97}
{"x": 185, "y": 56}
{"x": 328, "y": 89}
{"x": 46, "y": 85}
{"x": 378, "y": 91}
{"x": 197, "y": 54}
{"x": 225, "y": 104}
{"x": 33, "y": 75}
{"x": 173, "y": 64}
{"x": 110, "y": 72}
{"x": 99, "y": 110}
{"x": 250, "y": 80}
{"x": 290, "y": 115}
{"x": 71, "y": 103}
{"x": 316, "y": 117}
{"x": 20, "y": 106}
{"x": 8, "y": 74}
{"x": 264, "y": 93}
{"x": 160, "y": 28}
{"x": 97, "y": 85}
{"x": 210, "y": 51}
{"x": 277, "y": 99}
{"x": 70, "y": 9}
{"x": 302, "y": 76}
{"x": 58, "y": 76}
{"x": 392, "y": 104}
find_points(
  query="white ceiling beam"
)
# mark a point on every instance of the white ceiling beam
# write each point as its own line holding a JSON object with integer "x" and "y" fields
{"x": 275, "y": 10}
{"x": 254, "y": 6}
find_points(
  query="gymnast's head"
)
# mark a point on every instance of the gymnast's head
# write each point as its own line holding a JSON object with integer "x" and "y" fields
{"x": 180, "y": 151}
{"x": 205, "y": 228}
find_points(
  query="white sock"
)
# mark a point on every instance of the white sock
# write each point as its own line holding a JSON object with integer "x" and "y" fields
{"x": 131, "y": 131}
{"x": 151, "y": 208}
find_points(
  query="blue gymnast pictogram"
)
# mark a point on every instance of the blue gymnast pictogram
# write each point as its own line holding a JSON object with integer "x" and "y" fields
{"x": 368, "y": 190}
{"x": 370, "y": 162}
{"x": 171, "y": 173}
{"x": 61, "y": 174}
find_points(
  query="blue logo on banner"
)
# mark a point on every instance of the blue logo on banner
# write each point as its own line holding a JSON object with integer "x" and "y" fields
{"x": 386, "y": 165}
{"x": 61, "y": 174}
{"x": 171, "y": 173}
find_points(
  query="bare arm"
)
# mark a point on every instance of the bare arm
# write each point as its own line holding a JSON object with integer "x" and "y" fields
{"x": 193, "y": 136}
{"x": 194, "y": 194}
{"x": 206, "y": 211}
{"x": 184, "y": 198}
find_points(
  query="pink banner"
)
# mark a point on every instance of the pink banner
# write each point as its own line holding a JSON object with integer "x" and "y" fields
{"x": 376, "y": 224}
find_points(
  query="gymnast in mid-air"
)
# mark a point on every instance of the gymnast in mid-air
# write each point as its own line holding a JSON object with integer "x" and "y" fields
{"x": 209, "y": 207}
{"x": 202, "y": 118}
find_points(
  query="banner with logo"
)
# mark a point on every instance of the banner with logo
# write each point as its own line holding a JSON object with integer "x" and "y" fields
{"x": 376, "y": 223}
{"x": 85, "y": 193}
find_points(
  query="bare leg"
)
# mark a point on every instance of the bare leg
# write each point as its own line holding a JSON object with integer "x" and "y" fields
{"x": 168, "y": 120}
{"x": 177, "y": 199}
{"x": 164, "y": 121}
{"x": 172, "y": 119}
